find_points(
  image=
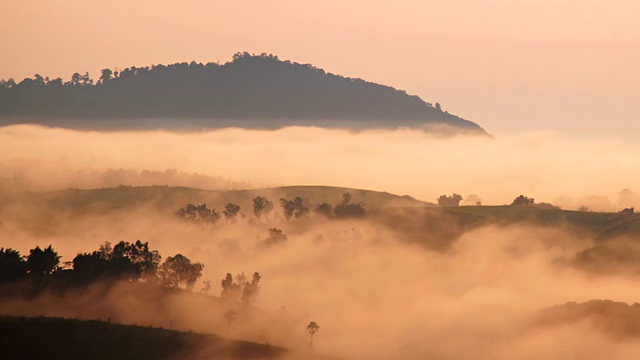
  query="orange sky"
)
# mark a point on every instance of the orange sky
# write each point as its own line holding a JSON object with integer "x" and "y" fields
{"x": 506, "y": 64}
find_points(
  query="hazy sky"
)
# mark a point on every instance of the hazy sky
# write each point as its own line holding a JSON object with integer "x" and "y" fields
{"x": 506, "y": 64}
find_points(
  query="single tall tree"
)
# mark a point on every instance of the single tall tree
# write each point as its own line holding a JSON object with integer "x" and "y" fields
{"x": 230, "y": 316}
{"x": 262, "y": 206}
{"x": 312, "y": 328}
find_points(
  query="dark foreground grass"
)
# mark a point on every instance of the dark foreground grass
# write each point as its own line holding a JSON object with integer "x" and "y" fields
{"x": 56, "y": 338}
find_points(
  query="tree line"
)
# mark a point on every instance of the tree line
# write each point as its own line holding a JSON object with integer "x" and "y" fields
{"x": 122, "y": 261}
{"x": 262, "y": 208}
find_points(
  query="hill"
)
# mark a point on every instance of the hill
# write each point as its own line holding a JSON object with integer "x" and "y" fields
{"x": 616, "y": 319}
{"x": 56, "y": 338}
{"x": 251, "y": 91}
{"x": 43, "y": 212}
{"x": 439, "y": 227}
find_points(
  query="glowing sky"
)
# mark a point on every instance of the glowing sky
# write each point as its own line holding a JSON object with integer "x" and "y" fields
{"x": 509, "y": 65}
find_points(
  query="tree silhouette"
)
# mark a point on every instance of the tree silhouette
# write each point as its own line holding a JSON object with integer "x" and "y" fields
{"x": 522, "y": 201}
{"x": 231, "y": 212}
{"x": 125, "y": 260}
{"x": 200, "y": 214}
{"x": 346, "y": 209}
{"x": 324, "y": 209}
{"x": 312, "y": 328}
{"x": 276, "y": 237}
{"x": 13, "y": 267}
{"x": 262, "y": 206}
{"x": 251, "y": 290}
{"x": 230, "y": 316}
{"x": 106, "y": 76}
{"x": 294, "y": 208}
{"x": 231, "y": 290}
{"x": 449, "y": 201}
{"x": 178, "y": 271}
{"x": 42, "y": 262}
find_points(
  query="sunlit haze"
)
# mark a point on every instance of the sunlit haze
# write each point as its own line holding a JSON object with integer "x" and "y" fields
{"x": 259, "y": 206}
{"x": 507, "y": 65}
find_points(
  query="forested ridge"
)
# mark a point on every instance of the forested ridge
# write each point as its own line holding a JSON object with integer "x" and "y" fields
{"x": 250, "y": 87}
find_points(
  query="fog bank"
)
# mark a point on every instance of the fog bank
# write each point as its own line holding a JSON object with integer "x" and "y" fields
{"x": 542, "y": 165}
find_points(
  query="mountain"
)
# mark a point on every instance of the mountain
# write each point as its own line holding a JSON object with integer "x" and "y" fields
{"x": 251, "y": 91}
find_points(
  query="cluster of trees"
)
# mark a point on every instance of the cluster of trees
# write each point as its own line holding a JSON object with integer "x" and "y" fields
{"x": 523, "y": 201}
{"x": 202, "y": 215}
{"x": 294, "y": 209}
{"x": 248, "y": 87}
{"x": 263, "y": 207}
{"x": 15, "y": 267}
{"x": 123, "y": 261}
{"x": 344, "y": 209}
{"x": 449, "y": 201}
{"x": 276, "y": 237}
{"x": 241, "y": 289}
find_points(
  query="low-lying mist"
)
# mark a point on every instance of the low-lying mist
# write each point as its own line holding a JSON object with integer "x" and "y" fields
{"x": 377, "y": 289}
{"x": 546, "y": 166}
{"x": 373, "y": 293}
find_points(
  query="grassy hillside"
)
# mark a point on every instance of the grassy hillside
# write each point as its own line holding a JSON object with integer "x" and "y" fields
{"x": 602, "y": 225}
{"x": 439, "y": 227}
{"x": 56, "y": 338}
{"x": 98, "y": 201}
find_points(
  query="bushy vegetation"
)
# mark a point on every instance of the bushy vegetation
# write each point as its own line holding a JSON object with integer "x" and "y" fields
{"x": 291, "y": 210}
{"x": 124, "y": 261}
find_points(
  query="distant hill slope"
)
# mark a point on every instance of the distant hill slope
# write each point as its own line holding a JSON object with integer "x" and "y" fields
{"x": 171, "y": 198}
{"x": 44, "y": 211}
{"x": 250, "y": 91}
{"x": 55, "y": 338}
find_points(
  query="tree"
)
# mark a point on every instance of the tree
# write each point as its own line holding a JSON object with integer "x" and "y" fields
{"x": 106, "y": 76}
{"x": 178, "y": 271}
{"x": 324, "y": 209}
{"x": 449, "y": 201}
{"x": 230, "y": 289}
{"x": 13, "y": 267}
{"x": 231, "y": 212}
{"x": 346, "y": 199}
{"x": 522, "y": 201}
{"x": 206, "y": 287}
{"x": 276, "y": 236}
{"x": 144, "y": 260}
{"x": 251, "y": 290}
{"x": 76, "y": 78}
{"x": 262, "y": 206}
{"x": 230, "y": 316}
{"x": 42, "y": 262}
{"x": 312, "y": 328}
{"x": 347, "y": 209}
{"x": 241, "y": 290}
{"x": 294, "y": 208}
{"x": 200, "y": 214}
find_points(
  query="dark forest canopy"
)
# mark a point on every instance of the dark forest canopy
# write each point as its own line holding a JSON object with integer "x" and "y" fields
{"x": 254, "y": 91}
